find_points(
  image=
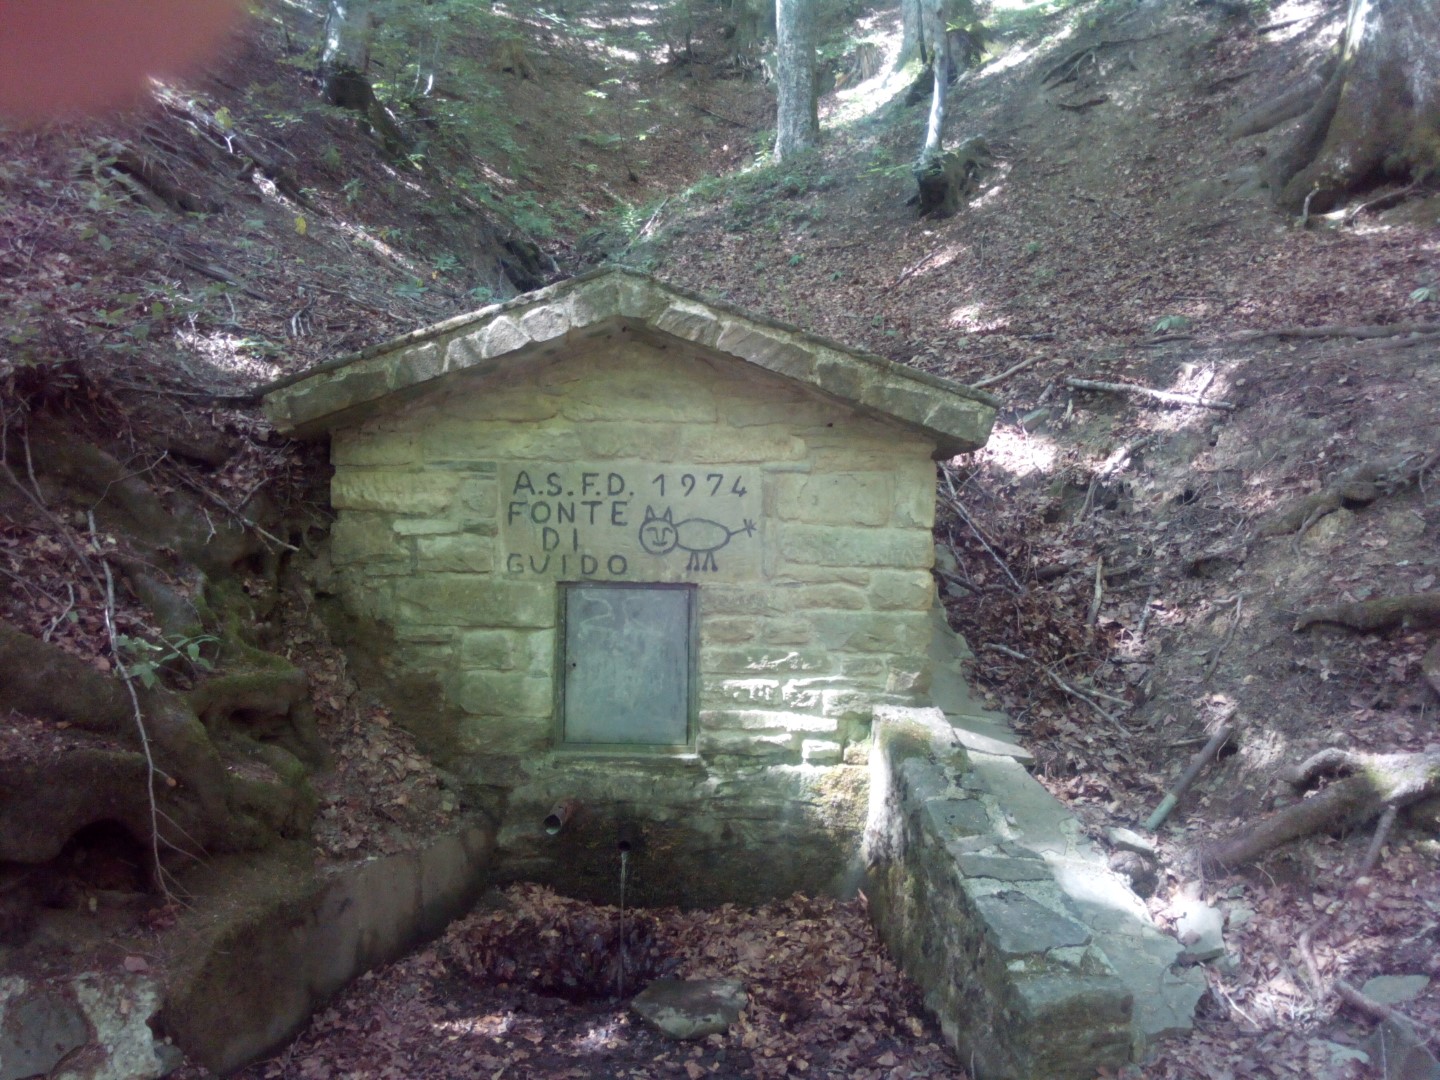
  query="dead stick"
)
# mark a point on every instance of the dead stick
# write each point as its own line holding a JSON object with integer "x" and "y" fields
{"x": 1382, "y": 833}
{"x": 1197, "y": 763}
{"x": 1382, "y": 331}
{"x": 995, "y": 380}
{"x": 1094, "y": 614}
{"x": 1145, "y": 391}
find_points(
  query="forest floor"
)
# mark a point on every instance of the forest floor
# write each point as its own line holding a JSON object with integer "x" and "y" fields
{"x": 1138, "y": 552}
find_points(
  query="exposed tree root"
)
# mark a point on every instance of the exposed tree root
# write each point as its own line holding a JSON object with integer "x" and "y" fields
{"x": 1354, "y": 488}
{"x": 1372, "y": 784}
{"x": 1430, "y": 667}
{"x": 1385, "y": 614}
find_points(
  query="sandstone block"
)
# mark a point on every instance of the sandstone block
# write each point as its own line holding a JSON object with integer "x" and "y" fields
{"x": 365, "y": 448}
{"x": 818, "y": 545}
{"x": 526, "y": 402}
{"x": 506, "y": 650}
{"x": 740, "y": 691}
{"x": 458, "y": 554}
{"x": 820, "y": 752}
{"x": 726, "y": 631}
{"x": 902, "y": 590}
{"x": 764, "y": 720}
{"x": 426, "y": 493}
{"x": 770, "y": 349}
{"x": 506, "y": 694}
{"x": 643, "y": 393}
{"x": 469, "y": 600}
{"x": 853, "y": 498}
{"x": 833, "y": 597}
{"x": 783, "y": 631}
{"x": 769, "y": 747}
{"x": 424, "y": 526}
{"x": 704, "y": 445}
{"x": 653, "y": 442}
{"x": 454, "y": 441}
{"x": 417, "y": 364}
{"x": 366, "y": 538}
{"x": 875, "y": 632}
{"x": 693, "y": 322}
{"x": 489, "y": 736}
{"x": 352, "y": 387}
{"x": 545, "y": 322}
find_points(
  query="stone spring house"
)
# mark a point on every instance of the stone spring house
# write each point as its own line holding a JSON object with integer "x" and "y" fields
{"x": 615, "y": 546}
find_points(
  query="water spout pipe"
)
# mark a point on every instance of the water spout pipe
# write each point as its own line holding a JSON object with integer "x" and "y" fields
{"x": 560, "y": 815}
{"x": 627, "y": 838}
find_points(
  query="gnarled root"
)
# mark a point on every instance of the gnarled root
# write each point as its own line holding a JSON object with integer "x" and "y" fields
{"x": 1371, "y": 784}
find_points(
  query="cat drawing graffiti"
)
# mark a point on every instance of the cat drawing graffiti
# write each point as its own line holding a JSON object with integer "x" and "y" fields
{"x": 661, "y": 534}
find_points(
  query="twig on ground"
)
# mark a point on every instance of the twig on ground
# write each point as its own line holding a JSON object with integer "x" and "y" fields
{"x": 1359, "y": 332}
{"x": 959, "y": 509}
{"x": 233, "y": 512}
{"x": 1225, "y": 642}
{"x": 1093, "y": 615}
{"x": 69, "y": 607}
{"x": 1067, "y": 688}
{"x": 1144, "y": 617}
{"x": 1166, "y": 396}
{"x": 1382, "y": 833}
{"x": 1197, "y": 764}
{"x": 1370, "y": 1007}
{"x": 996, "y": 380}
{"x": 117, "y": 657}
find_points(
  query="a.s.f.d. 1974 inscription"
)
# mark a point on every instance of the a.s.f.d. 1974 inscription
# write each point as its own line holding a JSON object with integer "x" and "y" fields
{"x": 637, "y": 523}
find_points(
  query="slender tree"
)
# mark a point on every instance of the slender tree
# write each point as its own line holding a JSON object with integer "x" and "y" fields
{"x": 797, "y": 124}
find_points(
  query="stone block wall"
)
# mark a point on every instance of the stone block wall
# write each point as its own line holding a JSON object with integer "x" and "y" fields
{"x": 804, "y": 524}
{"x": 1038, "y": 961}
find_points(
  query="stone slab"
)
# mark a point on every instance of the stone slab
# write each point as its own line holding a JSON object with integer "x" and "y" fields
{"x": 1395, "y": 989}
{"x": 687, "y": 1009}
{"x": 1019, "y": 926}
{"x": 503, "y": 337}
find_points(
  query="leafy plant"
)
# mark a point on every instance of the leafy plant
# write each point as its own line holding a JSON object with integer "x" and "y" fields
{"x": 144, "y": 658}
{"x": 1424, "y": 294}
{"x": 1172, "y": 324}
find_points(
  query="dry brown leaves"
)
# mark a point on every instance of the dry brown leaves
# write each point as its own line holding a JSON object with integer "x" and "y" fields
{"x": 825, "y": 1001}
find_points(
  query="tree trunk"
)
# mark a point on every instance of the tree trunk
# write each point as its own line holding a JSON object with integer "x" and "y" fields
{"x": 1377, "y": 118}
{"x": 912, "y": 37}
{"x": 797, "y": 126}
{"x": 345, "y": 55}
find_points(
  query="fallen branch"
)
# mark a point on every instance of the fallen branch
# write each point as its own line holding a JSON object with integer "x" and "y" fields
{"x": 1422, "y": 609}
{"x": 1430, "y": 667}
{"x": 955, "y": 504}
{"x": 1370, "y": 1007}
{"x": 1066, "y": 688}
{"x": 117, "y": 658}
{"x": 1358, "y": 332}
{"x": 1197, "y": 764}
{"x": 1166, "y": 396}
{"x": 996, "y": 380}
{"x": 1225, "y": 642}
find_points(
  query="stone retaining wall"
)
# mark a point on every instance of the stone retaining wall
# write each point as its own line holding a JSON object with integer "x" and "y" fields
{"x": 1039, "y": 962}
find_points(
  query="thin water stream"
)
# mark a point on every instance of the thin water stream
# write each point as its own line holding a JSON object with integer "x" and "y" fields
{"x": 624, "y": 869}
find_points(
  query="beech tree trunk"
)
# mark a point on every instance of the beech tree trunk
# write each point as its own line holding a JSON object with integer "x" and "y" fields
{"x": 345, "y": 55}
{"x": 1377, "y": 118}
{"x": 797, "y": 124}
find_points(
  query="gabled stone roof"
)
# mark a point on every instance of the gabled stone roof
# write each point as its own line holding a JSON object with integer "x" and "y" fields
{"x": 495, "y": 339}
